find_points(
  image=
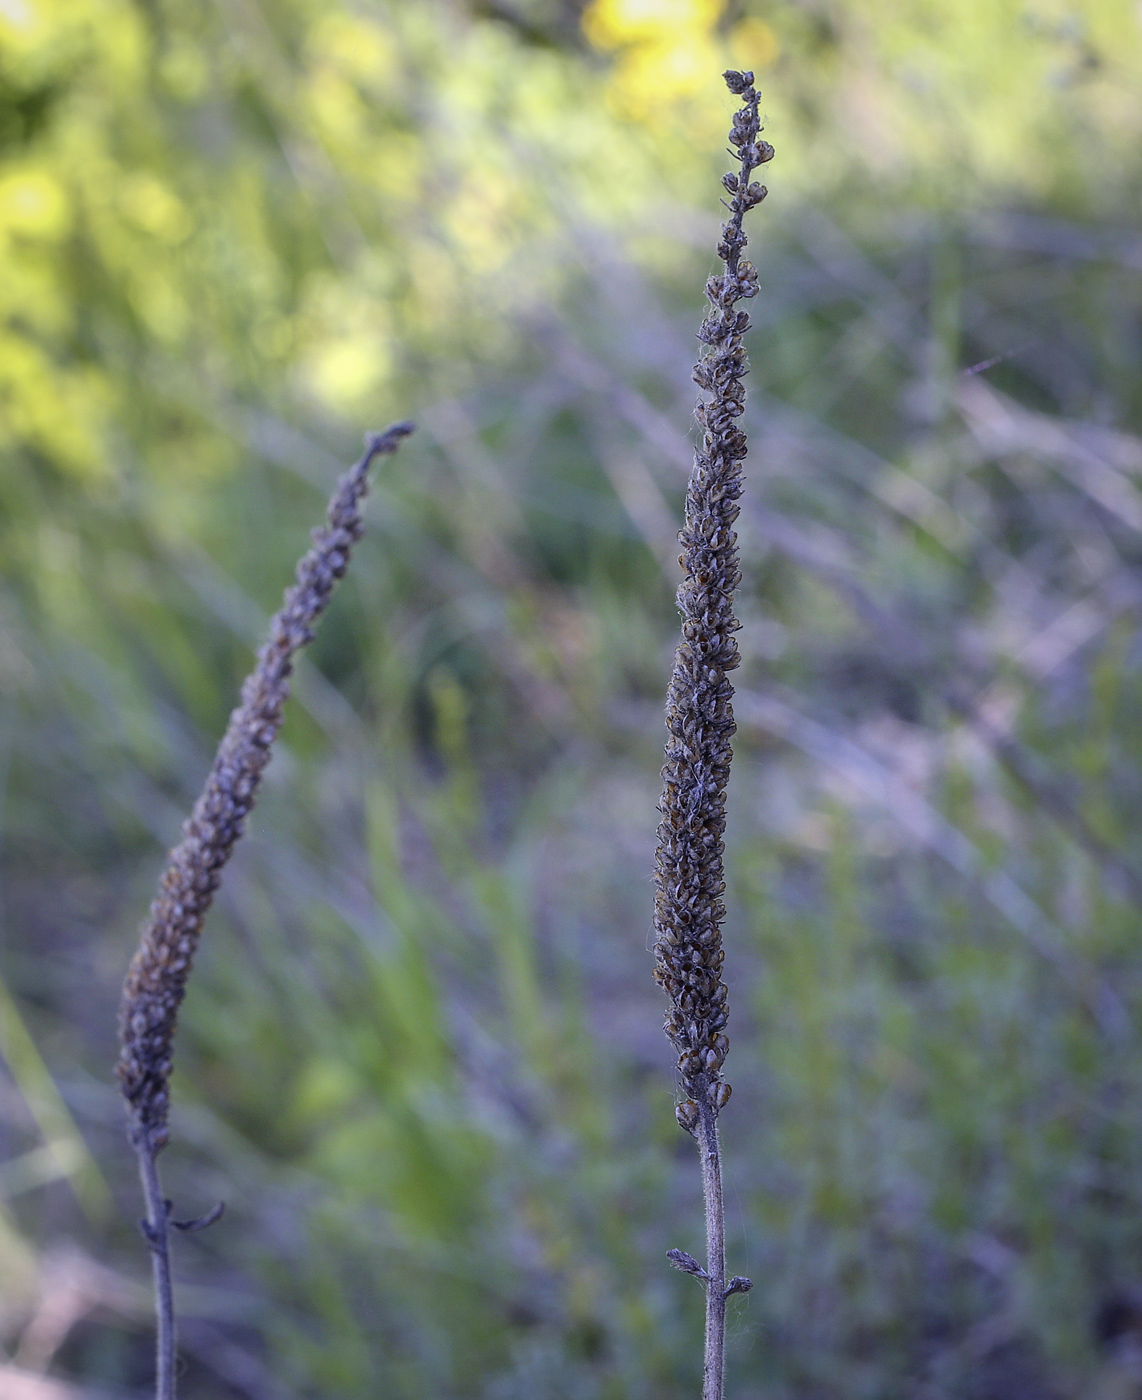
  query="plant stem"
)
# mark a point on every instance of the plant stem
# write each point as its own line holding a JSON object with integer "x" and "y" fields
{"x": 156, "y": 980}
{"x": 713, "y": 1375}
{"x": 689, "y": 870}
{"x": 157, "y": 1230}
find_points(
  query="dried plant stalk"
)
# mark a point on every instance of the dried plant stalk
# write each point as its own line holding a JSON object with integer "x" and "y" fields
{"x": 700, "y": 723}
{"x": 157, "y": 977}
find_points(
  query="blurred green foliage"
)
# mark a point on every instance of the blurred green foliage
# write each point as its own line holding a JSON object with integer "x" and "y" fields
{"x": 421, "y": 1056}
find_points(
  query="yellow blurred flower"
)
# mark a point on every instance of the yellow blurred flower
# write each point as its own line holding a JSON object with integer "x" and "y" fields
{"x": 358, "y": 47}
{"x": 344, "y": 372}
{"x": 611, "y": 24}
{"x": 33, "y": 203}
{"x": 753, "y": 44}
{"x": 151, "y": 206}
{"x": 667, "y": 49}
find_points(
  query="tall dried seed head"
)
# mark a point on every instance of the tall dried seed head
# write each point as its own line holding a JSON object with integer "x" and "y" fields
{"x": 156, "y": 980}
{"x": 699, "y": 714}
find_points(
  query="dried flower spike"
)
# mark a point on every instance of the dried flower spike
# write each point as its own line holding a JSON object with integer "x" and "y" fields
{"x": 689, "y": 870}
{"x": 156, "y": 979}
{"x": 689, "y": 876}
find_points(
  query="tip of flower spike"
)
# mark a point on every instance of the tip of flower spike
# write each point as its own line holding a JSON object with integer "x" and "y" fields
{"x": 390, "y": 438}
{"x": 737, "y": 82}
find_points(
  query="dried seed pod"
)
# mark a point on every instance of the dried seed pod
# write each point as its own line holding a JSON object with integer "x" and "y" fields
{"x": 719, "y": 1094}
{"x": 687, "y": 1115}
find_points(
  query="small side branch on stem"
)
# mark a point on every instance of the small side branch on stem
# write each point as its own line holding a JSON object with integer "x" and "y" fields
{"x": 714, "y": 1371}
{"x": 156, "y": 1229}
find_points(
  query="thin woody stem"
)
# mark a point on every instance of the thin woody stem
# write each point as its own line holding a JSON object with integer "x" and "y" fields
{"x": 157, "y": 1230}
{"x": 713, "y": 1374}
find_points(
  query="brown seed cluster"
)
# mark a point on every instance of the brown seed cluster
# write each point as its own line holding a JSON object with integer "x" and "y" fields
{"x": 699, "y": 714}
{"x": 156, "y": 980}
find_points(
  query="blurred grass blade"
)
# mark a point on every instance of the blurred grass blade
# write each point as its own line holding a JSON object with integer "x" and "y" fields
{"x": 66, "y": 1154}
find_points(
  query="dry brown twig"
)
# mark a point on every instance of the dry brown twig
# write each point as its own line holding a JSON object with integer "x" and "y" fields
{"x": 689, "y": 874}
{"x": 156, "y": 980}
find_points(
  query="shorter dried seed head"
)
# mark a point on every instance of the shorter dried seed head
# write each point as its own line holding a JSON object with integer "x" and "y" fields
{"x": 156, "y": 979}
